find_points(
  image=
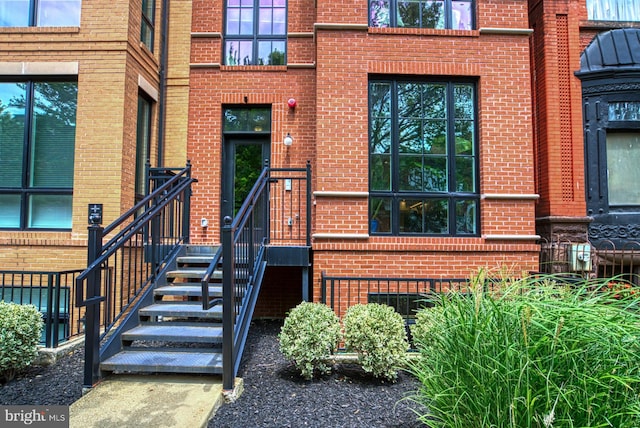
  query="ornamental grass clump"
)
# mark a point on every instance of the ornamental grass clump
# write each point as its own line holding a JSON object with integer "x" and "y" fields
{"x": 377, "y": 334}
{"x": 20, "y": 330}
{"x": 535, "y": 354}
{"x": 309, "y": 335}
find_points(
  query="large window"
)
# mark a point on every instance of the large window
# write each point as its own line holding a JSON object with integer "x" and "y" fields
{"x": 40, "y": 13}
{"x": 37, "y": 139}
{"x": 148, "y": 19}
{"x": 143, "y": 145}
{"x": 255, "y": 32}
{"x": 423, "y": 176}
{"x": 613, "y": 10}
{"x": 452, "y": 14}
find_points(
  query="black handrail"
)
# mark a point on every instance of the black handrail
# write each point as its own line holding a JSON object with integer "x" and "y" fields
{"x": 121, "y": 269}
{"x": 243, "y": 253}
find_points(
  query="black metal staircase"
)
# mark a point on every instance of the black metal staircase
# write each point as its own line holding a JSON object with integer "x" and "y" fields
{"x": 175, "y": 334}
{"x": 154, "y": 303}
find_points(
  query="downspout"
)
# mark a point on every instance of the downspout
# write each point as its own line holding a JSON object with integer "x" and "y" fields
{"x": 162, "y": 110}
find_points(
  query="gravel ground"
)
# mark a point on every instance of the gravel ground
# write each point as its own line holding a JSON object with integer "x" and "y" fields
{"x": 274, "y": 393}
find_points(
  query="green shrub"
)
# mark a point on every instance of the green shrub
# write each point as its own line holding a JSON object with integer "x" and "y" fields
{"x": 536, "y": 354}
{"x": 377, "y": 334}
{"x": 309, "y": 336}
{"x": 20, "y": 330}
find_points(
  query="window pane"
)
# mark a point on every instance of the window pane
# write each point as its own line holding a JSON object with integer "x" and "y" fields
{"x": 379, "y": 13}
{"x": 14, "y": 13}
{"x": 239, "y": 53}
{"x": 461, "y": 15}
{"x": 465, "y": 174}
{"x": 409, "y": 14}
{"x": 246, "y": 21}
{"x": 411, "y": 173}
{"x": 435, "y": 137}
{"x": 12, "y": 114}
{"x": 466, "y": 217}
{"x": 435, "y": 100}
{"x": 410, "y": 135}
{"x": 464, "y": 137}
{"x": 424, "y": 216}
{"x": 624, "y": 111}
{"x": 233, "y": 21}
{"x": 59, "y": 13}
{"x": 613, "y": 10}
{"x": 271, "y": 53}
{"x": 53, "y": 139}
{"x": 380, "y": 172}
{"x": 435, "y": 174}
{"x": 623, "y": 158}
{"x": 50, "y": 211}
{"x": 272, "y": 21}
{"x": 10, "y": 211}
{"x": 247, "y": 120}
{"x": 433, "y": 14}
{"x": 143, "y": 141}
{"x": 380, "y": 214}
{"x": 146, "y": 35}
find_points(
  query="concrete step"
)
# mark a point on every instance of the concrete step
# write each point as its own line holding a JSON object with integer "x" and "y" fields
{"x": 175, "y": 333}
{"x": 148, "y": 360}
{"x": 180, "y": 310}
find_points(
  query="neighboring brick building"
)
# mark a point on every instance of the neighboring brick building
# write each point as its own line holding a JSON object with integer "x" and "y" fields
{"x": 431, "y": 154}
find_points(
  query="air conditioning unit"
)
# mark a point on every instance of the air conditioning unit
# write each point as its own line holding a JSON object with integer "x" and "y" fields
{"x": 580, "y": 257}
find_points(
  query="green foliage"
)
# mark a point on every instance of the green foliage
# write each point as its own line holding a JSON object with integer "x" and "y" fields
{"x": 20, "y": 330}
{"x": 310, "y": 334}
{"x": 535, "y": 354}
{"x": 377, "y": 334}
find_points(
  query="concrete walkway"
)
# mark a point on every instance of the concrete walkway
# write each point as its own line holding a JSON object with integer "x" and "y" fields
{"x": 175, "y": 401}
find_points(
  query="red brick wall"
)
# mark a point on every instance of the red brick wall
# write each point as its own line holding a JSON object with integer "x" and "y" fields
{"x": 329, "y": 68}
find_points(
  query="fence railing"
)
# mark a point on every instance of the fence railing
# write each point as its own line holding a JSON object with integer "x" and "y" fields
{"x": 595, "y": 259}
{"x": 50, "y": 293}
{"x": 405, "y": 295}
{"x": 120, "y": 269}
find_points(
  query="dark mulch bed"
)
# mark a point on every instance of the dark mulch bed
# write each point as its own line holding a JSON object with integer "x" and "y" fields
{"x": 274, "y": 393}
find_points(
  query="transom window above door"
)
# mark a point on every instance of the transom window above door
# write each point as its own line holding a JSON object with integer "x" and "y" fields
{"x": 255, "y": 32}
{"x": 440, "y": 14}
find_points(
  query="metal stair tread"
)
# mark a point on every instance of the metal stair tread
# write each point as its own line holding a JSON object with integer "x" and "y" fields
{"x": 186, "y": 290}
{"x": 175, "y": 333}
{"x": 179, "y": 361}
{"x": 195, "y": 259}
{"x": 171, "y": 309}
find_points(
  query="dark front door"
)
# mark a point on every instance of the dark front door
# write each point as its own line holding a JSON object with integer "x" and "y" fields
{"x": 243, "y": 160}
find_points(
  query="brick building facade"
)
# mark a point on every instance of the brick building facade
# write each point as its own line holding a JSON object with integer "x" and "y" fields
{"x": 443, "y": 137}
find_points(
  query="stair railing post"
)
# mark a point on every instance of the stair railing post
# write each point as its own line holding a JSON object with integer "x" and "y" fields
{"x": 228, "y": 304}
{"x": 186, "y": 220}
{"x": 92, "y": 314}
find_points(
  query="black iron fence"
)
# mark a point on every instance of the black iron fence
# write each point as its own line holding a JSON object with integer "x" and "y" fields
{"x": 595, "y": 259}
{"x": 50, "y": 293}
{"x": 405, "y": 295}
{"x": 125, "y": 257}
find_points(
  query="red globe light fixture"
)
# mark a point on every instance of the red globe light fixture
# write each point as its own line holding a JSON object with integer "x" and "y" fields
{"x": 292, "y": 103}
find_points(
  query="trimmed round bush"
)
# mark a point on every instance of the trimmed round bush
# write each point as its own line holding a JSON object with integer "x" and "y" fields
{"x": 377, "y": 334}
{"x": 309, "y": 336}
{"x": 20, "y": 330}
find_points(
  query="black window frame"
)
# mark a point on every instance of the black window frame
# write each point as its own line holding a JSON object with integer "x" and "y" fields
{"x": 448, "y": 14}
{"x": 397, "y": 196}
{"x": 143, "y": 146}
{"x": 255, "y": 37}
{"x": 25, "y": 191}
